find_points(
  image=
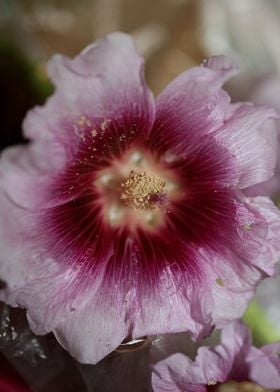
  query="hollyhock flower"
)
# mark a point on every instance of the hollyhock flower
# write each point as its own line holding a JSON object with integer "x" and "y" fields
{"x": 124, "y": 216}
{"x": 234, "y": 365}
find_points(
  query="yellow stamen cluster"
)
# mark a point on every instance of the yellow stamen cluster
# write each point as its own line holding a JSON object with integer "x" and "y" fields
{"x": 139, "y": 188}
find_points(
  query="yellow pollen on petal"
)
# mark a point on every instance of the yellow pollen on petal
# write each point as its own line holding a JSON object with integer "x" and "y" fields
{"x": 93, "y": 132}
{"x": 105, "y": 123}
{"x": 142, "y": 191}
{"x": 220, "y": 282}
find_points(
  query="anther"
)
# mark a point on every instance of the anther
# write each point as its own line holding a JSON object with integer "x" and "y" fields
{"x": 143, "y": 191}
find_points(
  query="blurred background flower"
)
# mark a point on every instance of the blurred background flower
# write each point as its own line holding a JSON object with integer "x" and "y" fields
{"x": 232, "y": 366}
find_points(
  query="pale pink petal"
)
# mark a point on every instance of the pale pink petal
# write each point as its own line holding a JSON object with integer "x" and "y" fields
{"x": 232, "y": 275}
{"x": 105, "y": 82}
{"x": 18, "y": 257}
{"x": 232, "y": 360}
{"x": 62, "y": 281}
{"x": 31, "y": 277}
{"x": 268, "y": 188}
{"x": 264, "y": 366}
{"x": 270, "y": 251}
{"x": 194, "y": 102}
{"x": 230, "y": 285}
{"x": 249, "y": 133}
{"x": 92, "y": 331}
{"x": 175, "y": 306}
{"x": 25, "y": 269}
{"x": 175, "y": 375}
{"x": 236, "y": 343}
{"x": 266, "y": 91}
{"x": 211, "y": 365}
{"x": 27, "y": 173}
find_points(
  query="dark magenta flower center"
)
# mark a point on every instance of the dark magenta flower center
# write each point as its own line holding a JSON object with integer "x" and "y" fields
{"x": 136, "y": 190}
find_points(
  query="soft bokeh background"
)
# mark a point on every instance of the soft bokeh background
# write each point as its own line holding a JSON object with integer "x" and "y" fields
{"x": 172, "y": 35}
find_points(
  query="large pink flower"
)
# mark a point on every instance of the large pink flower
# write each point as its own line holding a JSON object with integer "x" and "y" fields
{"x": 124, "y": 216}
{"x": 233, "y": 366}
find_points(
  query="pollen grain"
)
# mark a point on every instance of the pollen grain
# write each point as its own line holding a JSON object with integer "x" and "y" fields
{"x": 143, "y": 191}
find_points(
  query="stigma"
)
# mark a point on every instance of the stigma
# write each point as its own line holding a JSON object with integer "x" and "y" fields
{"x": 143, "y": 191}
